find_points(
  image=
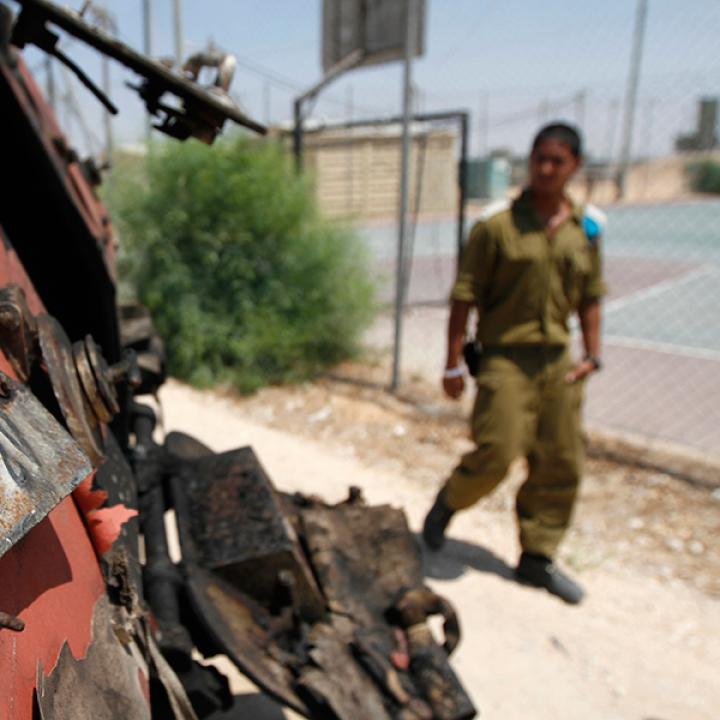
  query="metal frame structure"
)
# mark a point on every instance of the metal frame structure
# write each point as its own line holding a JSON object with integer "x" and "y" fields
{"x": 462, "y": 117}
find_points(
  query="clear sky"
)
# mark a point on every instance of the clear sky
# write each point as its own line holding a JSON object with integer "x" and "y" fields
{"x": 512, "y": 63}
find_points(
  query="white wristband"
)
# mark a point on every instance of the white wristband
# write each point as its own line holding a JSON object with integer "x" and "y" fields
{"x": 453, "y": 372}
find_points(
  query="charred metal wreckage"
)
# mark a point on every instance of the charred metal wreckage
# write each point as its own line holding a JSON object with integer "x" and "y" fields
{"x": 322, "y": 606}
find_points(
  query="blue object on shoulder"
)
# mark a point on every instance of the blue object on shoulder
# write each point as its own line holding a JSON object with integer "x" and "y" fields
{"x": 592, "y": 229}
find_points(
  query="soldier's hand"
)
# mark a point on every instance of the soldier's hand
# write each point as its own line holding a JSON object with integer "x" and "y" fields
{"x": 454, "y": 386}
{"x": 580, "y": 371}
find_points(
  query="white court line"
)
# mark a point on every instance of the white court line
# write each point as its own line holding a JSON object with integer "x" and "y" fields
{"x": 658, "y": 288}
{"x": 662, "y": 347}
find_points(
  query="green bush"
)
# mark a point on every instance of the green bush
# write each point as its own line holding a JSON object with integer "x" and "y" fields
{"x": 246, "y": 283}
{"x": 705, "y": 176}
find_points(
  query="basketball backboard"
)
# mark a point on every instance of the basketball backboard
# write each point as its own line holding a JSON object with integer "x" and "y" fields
{"x": 375, "y": 27}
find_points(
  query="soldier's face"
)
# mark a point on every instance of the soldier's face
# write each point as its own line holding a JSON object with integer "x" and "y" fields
{"x": 551, "y": 166}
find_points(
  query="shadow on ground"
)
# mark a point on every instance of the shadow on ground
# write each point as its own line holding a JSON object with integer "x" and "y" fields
{"x": 457, "y": 556}
{"x": 251, "y": 705}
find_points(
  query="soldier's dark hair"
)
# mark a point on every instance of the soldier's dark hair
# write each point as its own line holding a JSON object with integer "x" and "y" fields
{"x": 566, "y": 134}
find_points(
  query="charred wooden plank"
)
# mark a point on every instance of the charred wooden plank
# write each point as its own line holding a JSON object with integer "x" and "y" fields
{"x": 370, "y": 570}
{"x": 363, "y": 556}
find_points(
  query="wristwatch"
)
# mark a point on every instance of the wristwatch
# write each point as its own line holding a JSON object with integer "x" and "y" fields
{"x": 595, "y": 361}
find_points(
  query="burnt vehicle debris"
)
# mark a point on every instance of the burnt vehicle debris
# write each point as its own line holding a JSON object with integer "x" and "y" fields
{"x": 201, "y": 113}
{"x": 323, "y": 607}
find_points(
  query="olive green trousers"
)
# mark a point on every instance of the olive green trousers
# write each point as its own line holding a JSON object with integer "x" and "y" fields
{"x": 524, "y": 408}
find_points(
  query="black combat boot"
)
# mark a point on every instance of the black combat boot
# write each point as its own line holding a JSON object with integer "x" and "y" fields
{"x": 436, "y": 522}
{"x": 540, "y": 571}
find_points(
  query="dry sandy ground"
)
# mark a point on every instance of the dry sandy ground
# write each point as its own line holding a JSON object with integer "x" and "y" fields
{"x": 644, "y": 645}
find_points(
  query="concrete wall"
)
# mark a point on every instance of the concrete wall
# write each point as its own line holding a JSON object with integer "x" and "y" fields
{"x": 657, "y": 180}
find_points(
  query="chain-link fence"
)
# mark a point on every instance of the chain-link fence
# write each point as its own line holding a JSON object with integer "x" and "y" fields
{"x": 662, "y": 245}
{"x": 515, "y": 67}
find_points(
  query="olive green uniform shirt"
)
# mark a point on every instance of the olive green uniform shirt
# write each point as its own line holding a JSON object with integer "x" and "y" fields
{"x": 524, "y": 283}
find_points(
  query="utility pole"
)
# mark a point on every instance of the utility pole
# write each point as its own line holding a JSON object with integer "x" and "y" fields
{"x": 177, "y": 18}
{"x": 412, "y": 19}
{"x": 147, "y": 49}
{"x": 631, "y": 96}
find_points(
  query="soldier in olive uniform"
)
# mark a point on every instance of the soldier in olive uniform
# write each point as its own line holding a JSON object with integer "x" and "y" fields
{"x": 528, "y": 266}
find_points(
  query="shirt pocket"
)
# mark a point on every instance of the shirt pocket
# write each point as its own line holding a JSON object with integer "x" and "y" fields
{"x": 524, "y": 251}
{"x": 521, "y": 278}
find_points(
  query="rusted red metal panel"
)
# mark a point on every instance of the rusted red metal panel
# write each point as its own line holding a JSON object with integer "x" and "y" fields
{"x": 51, "y": 581}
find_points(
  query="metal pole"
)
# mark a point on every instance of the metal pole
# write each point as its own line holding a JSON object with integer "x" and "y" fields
{"x": 394, "y": 120}
{"x": 298, "y": 135}
{"x": 347, "y": 63}
{"x": 462, "y": 183}
{"x": 147, "y": 49}
{"x": 631, "y": 96}
{"x": 177, "y": 17}
{"x": 402, "y": 224}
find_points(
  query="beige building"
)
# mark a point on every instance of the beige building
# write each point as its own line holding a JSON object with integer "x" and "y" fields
{"x": 357, "y": 172}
